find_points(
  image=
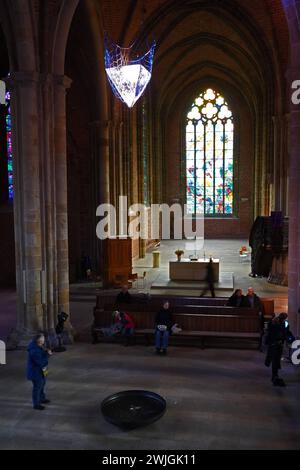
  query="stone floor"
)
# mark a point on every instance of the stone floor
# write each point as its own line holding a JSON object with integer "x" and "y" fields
{"x": 227, "y": 251}
{"x": 216, "y": 399}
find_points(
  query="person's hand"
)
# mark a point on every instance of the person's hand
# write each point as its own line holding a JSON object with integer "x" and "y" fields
{"x": 49, "y": 352}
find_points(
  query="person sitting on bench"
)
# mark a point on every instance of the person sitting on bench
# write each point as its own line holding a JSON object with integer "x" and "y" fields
{"x": 253, "y": 301}
{"x": 163, "y": 325}
{"x": 124, "y": 297}
{"x": 113, "y": 330}
{"x": 237, "y": 299}
{"x": 127, "y": 326}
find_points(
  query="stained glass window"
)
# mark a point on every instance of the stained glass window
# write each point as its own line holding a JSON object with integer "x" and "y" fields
{"x": 209, "y": 156}
{"x": 9, "y": 149}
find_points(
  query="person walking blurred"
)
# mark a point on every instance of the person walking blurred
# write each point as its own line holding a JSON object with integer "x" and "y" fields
{"x": 209, "y": 280}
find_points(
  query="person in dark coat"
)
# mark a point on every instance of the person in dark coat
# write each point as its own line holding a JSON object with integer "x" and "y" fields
{"x": 237, "y": 299}
{"x": 253, "y": 301}
{"x": 124, "y": 297}
{"x": 163, "y": 325}
{"x": 37, "y": 365}
{"x": 278, "y": 332}
{"x": 86, "y": 265}
{"x": 209, "y": 279}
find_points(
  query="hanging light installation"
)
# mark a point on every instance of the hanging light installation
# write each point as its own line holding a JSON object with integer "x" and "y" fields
{"x": 127, "y": 74}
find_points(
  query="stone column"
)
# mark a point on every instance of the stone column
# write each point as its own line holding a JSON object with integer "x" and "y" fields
{"x": 276, "y": 164}
{"x": 99, "y": 144}
{"x": 122, "y": 165}
{"x": 294, "y": 211}
{"x": 27, "y": 199}
{"x": 112, "y": 162}
{"x": 280, "y": 157}
{"x": 100, "y": 149}
{"x": 285, "y": 164}
{"x": 40, "y": 203}
{"x": 61, "y": 83}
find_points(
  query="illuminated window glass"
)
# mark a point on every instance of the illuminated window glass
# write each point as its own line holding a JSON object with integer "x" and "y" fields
{"x": 209, "y": 156}
{"x": 9, "y": 149}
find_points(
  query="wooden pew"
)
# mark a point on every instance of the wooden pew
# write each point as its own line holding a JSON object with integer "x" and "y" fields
{"x": 154, "y": 303}
{"x": 193, "y": 309}
{"x": 231, "y": 323}
{"x": 157, "y": 301}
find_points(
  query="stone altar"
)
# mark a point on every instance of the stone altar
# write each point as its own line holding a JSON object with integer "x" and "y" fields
{"x": 187, "y": 270}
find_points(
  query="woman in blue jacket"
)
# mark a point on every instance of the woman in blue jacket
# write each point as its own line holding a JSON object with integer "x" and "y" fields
{"x": 37, "y": 370}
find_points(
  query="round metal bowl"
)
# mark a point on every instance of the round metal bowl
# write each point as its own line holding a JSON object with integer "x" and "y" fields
{"x": 133, "y": 408}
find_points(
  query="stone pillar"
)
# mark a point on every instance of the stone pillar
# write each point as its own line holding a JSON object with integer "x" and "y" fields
{"x": 112, "y": 162}
{"x": 61, "y": 83}
{"x": 100, "y": 148}
{"x": 280, "y": 158}
{"x": 126, "y": 159}
{"x": 40, "y": 202}
{"x": 122, "y": 166}
{"x": 99, "y": 144}
{"x": 27, "y": 199}
{"x": 275, "y": 202}
{"x": 285, "y": 164}
{"x": 294, "y": 211}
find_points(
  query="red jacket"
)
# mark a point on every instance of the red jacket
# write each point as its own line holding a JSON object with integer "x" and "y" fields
{"x": 128, "y": 321}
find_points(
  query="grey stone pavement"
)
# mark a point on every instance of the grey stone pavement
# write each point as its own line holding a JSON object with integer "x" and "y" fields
{"x": 216, "y": 398}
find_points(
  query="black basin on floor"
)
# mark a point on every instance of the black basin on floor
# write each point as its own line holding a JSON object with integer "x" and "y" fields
{"x": 133, "y": 408}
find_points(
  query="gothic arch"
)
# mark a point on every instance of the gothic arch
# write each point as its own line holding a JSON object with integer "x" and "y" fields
{"x": 17, "y": 22}
{"x": 61, "y": 35}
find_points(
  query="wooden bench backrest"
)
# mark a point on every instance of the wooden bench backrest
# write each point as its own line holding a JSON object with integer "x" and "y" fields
{"x": 157, "y": 301}
{"x": 215, "y": 310}
{"x": 190, "y": 322}
{"x": 269, "y": 306}
{"x": 154, "y": 304}
{"x": 220, "y": 323}
{"x": 192, "y": 309}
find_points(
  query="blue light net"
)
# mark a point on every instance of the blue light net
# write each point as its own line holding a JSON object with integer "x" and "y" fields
{"x": 127, "y": 73}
